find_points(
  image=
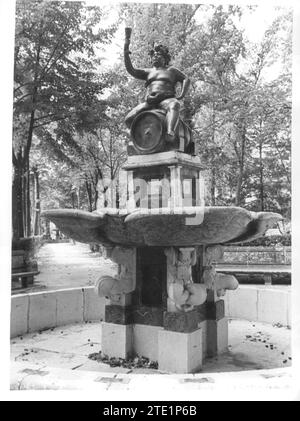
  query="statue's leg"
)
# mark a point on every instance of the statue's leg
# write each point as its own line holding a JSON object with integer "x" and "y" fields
{"x": 133, "y": 113}
{"x": 172, "y": 106}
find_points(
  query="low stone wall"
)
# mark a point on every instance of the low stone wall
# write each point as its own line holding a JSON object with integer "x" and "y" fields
{"x": 44, "y": 310}
{"x": 263, "y": 304}
{"x": 257, "y": 255}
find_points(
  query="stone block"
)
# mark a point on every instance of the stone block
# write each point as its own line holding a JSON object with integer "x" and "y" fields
{"x": 217, "y": 336}
{"x": 180, "y": 352}
{"x": 145, "y": 341}
{"x": 123, "y": 300}
{"x": 117, "y": 340}
{"x": 118, "y": 314}
{"x": 202, "y": 312}
{"x": 242, "y": 303}
{"x": 203, "y": 326}
{"x": 94, "y": 306}
{"x": 226, "y": 304}
{"x": 69, "y": 306}
{"x": 212, "y": 295}
{"x": 42, "y": 311}
{"x": 180, "y": 321}
{"x": 215, "y": 310}
{"x": 273, "y": 306}
{"x": 19, "y": 315}
{"x": 145, "y": 315}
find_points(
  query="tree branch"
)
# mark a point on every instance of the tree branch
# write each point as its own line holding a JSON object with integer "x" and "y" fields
{"x": 49, "y": 122}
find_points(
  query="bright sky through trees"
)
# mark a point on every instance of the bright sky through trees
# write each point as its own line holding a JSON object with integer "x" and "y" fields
{"x": 254, "y": 22}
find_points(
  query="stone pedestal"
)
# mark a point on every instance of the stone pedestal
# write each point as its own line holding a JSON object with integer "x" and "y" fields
{"x": 180, "y": 352}
{"x": 164, "y": 180}
{"x": 216, "y": 323}
{"x": 165, "y": 302}
{"x": 216, "y": 337}
{"x": 145, "y": 340}
{"x": 143, "y": 322}
{"x": 117, "y": 340}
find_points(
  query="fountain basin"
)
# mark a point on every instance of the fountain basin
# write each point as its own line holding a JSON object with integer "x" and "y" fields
{"x": 187, "y": 226}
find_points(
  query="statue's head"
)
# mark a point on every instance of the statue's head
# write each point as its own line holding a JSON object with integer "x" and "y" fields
{"x": 160, "y": 55}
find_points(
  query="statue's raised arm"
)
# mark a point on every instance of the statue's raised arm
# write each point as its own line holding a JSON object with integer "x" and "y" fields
{"x": 137, "y": 73}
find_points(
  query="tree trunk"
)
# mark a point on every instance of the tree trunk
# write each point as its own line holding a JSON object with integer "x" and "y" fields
{"x": 239, "y": 186}
{"x": 73, "y": 198}
{"x": 241, "y": 159}
{"x": 213, "y": 171}
{"x": 37, "y": 203}
{"x": 17, "y": 203}
{"x": 89, "y": 195}
{"x": 27, "y": 200}
{"x": 96, "y": 191}
{"x": 213, "y": 187}
{"x": 21, "y": 184}
{"x": 261, "y": 177}
{"x": 48, "y": 233}
{"x": 96, "y": 199}
{"x": 117, "y": 193}
{"x": 78, "y": 197}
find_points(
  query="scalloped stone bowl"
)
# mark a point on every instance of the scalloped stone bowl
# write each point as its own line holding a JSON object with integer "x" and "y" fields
{"x": 189, "y": 226}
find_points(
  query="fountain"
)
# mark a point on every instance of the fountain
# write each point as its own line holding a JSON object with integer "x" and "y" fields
{"x": 166, "y": 302}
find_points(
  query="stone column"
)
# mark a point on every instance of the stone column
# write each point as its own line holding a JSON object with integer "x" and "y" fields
{"x": 176, "y": 187}
{"x": 216, "y": 324}
{"x": 130, "y": 186}
{"x": 117, "y": 330}
{"x": 201, "y": 190}
{"x": 180, "y": 342}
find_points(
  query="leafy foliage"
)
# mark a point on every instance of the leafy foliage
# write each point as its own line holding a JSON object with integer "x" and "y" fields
{"x": 58, "y": 85}
{"x": 271, "y": 241}
{"x": 69, "y": 109}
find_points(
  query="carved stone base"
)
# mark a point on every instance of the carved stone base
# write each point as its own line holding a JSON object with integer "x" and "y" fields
{"x": 145, "y": 341}
{"x": 211, "y": 310}
{"x": 181, "y": 322}
{"x": 118, "y": 314}
{"x": 117, "y": 340}
{"x": 215, "y": 310}
{"x": 180, "y": 352}
{"x": 217, "y": 336}
{"x": 145, "y": 315}
{"x": 174, "y": 315}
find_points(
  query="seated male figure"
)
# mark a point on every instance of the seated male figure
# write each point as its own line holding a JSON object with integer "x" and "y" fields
{"x": 161, "y": 81}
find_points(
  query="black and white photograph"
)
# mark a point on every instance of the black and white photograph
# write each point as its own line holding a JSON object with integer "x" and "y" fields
{"x": 146, "y": 230}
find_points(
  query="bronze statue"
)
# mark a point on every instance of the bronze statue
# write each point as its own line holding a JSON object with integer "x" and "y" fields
{"x": 161, "y": 81}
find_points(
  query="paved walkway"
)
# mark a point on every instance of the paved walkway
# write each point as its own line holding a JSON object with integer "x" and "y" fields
{"x": 67, "y": 265}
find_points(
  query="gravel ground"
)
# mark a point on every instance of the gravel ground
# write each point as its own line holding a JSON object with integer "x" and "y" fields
{"x": 252, "y": 346}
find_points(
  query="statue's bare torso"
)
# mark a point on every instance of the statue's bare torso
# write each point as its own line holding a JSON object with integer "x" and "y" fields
{"x": 161, "y": 83}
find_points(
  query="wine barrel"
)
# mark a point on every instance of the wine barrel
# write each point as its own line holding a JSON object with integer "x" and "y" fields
{"x": 148, "y": 132}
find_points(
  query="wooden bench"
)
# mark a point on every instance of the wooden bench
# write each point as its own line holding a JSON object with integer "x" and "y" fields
{"x": 267, "y": 274}
{"x": 25, "y": 278}
{"x": 23, "y": 271}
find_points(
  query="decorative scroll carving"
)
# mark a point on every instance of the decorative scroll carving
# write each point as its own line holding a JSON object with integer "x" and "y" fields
{"x": 125, "y": 281}
{"x": 183, "y": 293}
